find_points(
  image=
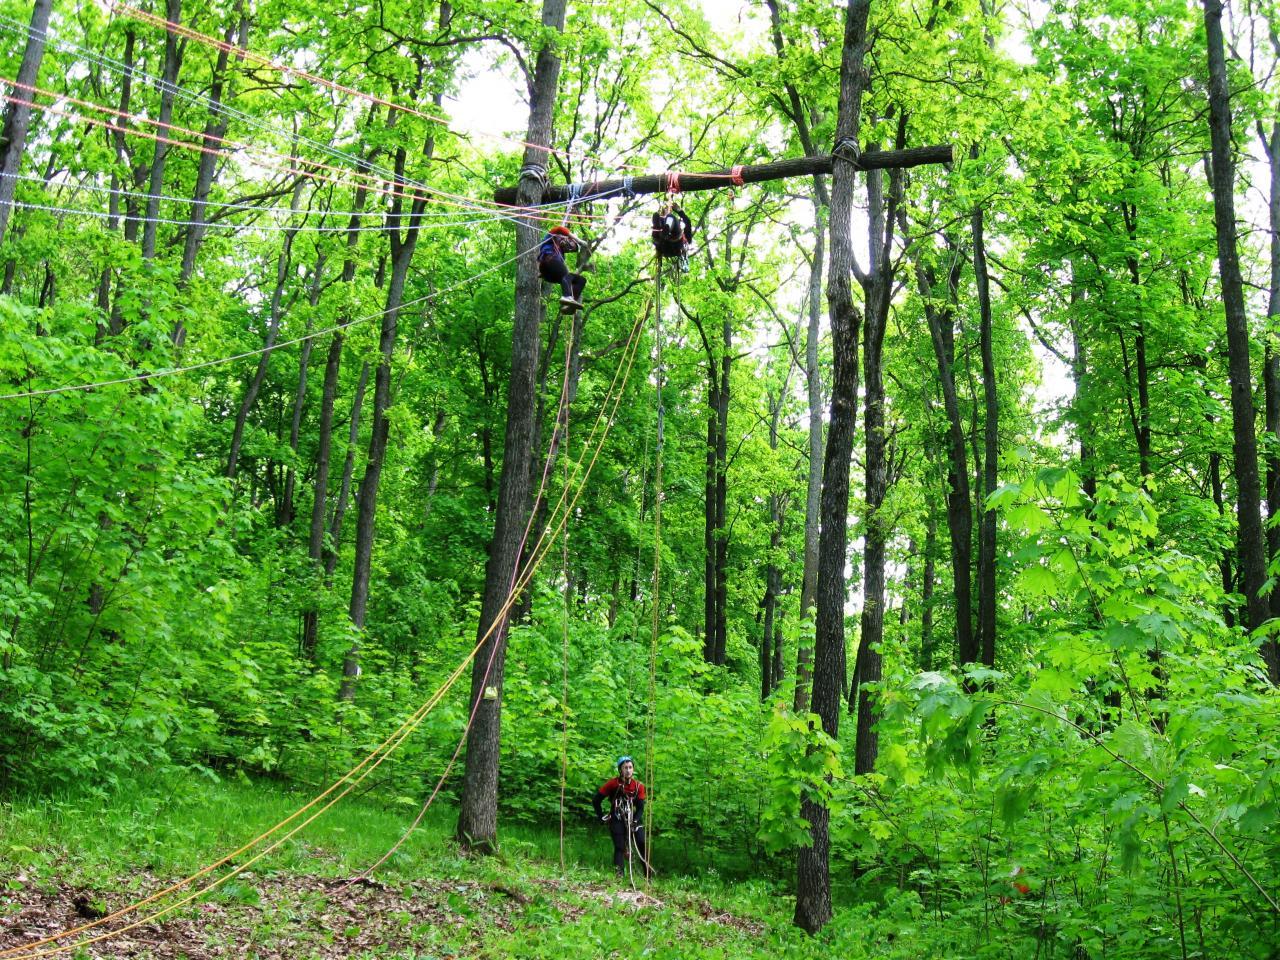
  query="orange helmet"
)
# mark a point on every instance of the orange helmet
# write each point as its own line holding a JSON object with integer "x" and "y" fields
{"x": 561, "y": 231}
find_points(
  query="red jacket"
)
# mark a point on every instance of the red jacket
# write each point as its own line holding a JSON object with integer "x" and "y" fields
{"x": 615, "y": 791}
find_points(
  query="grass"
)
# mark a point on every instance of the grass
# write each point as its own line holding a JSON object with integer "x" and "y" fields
{"x": 430, "y": 900}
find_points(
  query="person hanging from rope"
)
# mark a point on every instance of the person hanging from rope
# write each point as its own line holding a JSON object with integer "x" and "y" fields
{"x": 552, "y": 268}
{"x": 672, "y": 232}
{"x": 626, "y": 808}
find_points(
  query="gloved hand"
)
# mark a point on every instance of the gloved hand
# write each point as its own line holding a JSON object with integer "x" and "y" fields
{"x": 604, "y": 818}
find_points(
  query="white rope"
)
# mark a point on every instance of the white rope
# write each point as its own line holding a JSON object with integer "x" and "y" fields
{"x": 261, "y": 350}
{"x": 75, "y": 185}
{"x": 223, "y": 225}
{"x": 10, "y": 25}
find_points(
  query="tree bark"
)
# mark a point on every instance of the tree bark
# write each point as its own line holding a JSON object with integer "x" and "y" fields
{"x": 402, "y": 248}
{"x": 1271, "y": 357}
{"x": 813, "y": 490}
{"x": 750, "y": 173}
{"x": 990, "y": 451}
{"x": 478, "y": 816}
{"x": 813, "y": 876}
{"x": 959, "y": 506}
{"x": 1249, "y": 513}
{"x": 173, "y": 51}
{"x": 214, "y": 132}
{"x": 273, "y": 330}
{"x": 17, "y": 118}
{"x": 877, "y": 286}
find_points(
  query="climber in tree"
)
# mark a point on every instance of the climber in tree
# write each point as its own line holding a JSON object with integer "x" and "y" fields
{"x": 672, "y": 232}
{"x": 626, "y": 807}
{"x": 552, "y": 268}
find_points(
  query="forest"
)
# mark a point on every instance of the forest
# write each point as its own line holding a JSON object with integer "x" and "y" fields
{"x": 909, "y": 518}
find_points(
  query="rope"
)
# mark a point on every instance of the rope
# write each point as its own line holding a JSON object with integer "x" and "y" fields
{"x": 223, "y": 225}
{"x": 539, "y": 552}
{"x": 627, "y": 189}
{"x": 12, "y": 26}
{"x": 575, "y": 191}
{"x": 564, "y": 617}
{"x": 243, "y": 54}
{"x": 657, "y": 575}
{"x": 846, "y": 149}
{"x": 205, "y": 364}
{"x": 673, "y": 182}
{"x": 624, "y": 370}
{"x": 735, "y": 175}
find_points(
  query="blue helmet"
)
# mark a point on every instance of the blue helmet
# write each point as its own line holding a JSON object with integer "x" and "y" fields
{"x": 624, "y": 759}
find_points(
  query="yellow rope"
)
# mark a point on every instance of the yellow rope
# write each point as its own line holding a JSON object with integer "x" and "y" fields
{"x": 657, "y": 581}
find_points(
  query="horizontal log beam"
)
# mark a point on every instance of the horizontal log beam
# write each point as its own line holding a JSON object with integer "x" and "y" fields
{"x": 754, "y": 173}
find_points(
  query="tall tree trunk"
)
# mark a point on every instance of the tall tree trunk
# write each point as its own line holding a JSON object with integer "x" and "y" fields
{"x": 926, "y": 591}
{"x": 173, "y": 51}
{"x": 348, "y": 474}
{"x": 877, "y": 286}
{"x": 813, "y": 490}
{"x": 990, "y": 451}
{"x": 722, "y": 496}
{"x": 813, "y": 876}
{"x": 402, "y": 248}
{"x": 1271, "y": 358}
{"x": 1248, "y": 507}
{"x": 273, "y": 329}
{"x": 959, "y": 501}
{"x": 478, "y": 816}
{"x": 286, "y": 514}
{"x": 709, "y": 595}
{"x": 17, "y": 118}
{"x": 214, "y": 132}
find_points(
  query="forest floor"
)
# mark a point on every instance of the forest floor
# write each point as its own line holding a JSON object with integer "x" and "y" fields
{"x": 66, "y": 862}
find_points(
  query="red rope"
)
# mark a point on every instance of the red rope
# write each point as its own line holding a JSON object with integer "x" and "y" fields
{"x": 735, "y": 175}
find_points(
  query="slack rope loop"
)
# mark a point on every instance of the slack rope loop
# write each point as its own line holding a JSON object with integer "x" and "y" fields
{"x": 673, "y": 182}
{"x": 735, "y": 175}
{"x": 204, "y": 365}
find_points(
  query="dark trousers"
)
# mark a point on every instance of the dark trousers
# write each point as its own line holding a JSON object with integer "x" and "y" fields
{"x": 553, "y": 270}
{"x": 621, "y": 849}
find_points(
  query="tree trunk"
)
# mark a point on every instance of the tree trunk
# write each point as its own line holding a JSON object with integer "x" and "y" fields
{"x": 173, "y": 51}
{"x": 478, "y": 816}
{"x": 877, "y": 286}
{"x": 813, "y": 876}
{"x": 1249, "y": 513}
{"x": 402, "y": 248}
{"x": 348, "y": 473}
{"x": 273, "y": 329}
{"x": 813, "y": 490}
{"x": 17, "y": 118}
{"x": 722, "y": 497}
{"x": 286, "y": 514}
{"x": 990, "y": 452}
{"x": 926, "y": 591}
{"x": 1271, "y": 357}
{"x": 710, "y": 620}
{"x": 959, "y": 505}
{"x": 214, "y": 132}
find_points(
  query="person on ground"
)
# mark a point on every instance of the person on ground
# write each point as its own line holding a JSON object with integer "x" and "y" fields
{"x": 626, "y": 809}
{"x": 552, "y": 268}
